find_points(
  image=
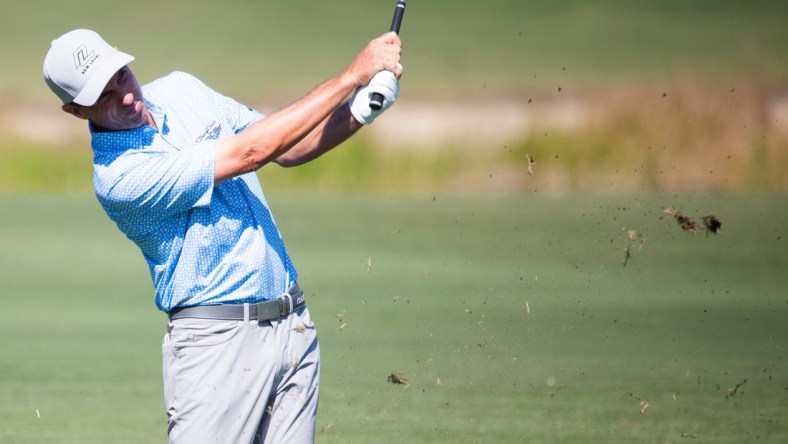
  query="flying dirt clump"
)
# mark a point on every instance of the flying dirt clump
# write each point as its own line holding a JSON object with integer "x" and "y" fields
{"x": 710, "y": 222}
{"x": 398, "y": 378}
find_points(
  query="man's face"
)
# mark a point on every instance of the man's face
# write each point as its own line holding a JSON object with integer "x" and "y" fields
{"x": 119, "y": 107}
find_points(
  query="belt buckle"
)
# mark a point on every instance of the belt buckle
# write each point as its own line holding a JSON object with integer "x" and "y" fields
{"x": 285, "y": 305}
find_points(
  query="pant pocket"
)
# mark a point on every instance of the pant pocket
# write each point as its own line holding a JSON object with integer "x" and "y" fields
{"x": 186, "y": 333}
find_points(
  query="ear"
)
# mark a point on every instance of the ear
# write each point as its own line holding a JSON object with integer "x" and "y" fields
{"x": 74, "y": 109}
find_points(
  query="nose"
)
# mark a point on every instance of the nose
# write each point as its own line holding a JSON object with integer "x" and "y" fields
{"x": 128, "y": 99}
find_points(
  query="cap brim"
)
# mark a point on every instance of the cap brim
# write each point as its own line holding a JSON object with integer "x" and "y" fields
{"x": 98, "y": 81}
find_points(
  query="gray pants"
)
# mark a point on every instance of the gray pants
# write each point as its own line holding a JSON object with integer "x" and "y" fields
{"x": 240, "y": 382}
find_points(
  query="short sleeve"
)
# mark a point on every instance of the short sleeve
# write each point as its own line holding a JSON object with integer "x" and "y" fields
{"x": 147, "y": 186}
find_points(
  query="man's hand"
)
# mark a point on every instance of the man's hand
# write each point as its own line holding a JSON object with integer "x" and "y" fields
{"x": 383, "y": 83}
{"x": 376, "y": 69}
{"x": 380, "y": 54}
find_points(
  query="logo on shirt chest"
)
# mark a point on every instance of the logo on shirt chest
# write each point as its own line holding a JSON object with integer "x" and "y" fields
{"x": 211, "y": 132}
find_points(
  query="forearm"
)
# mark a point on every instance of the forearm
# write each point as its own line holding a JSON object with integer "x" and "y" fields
{"x": 331, "y": 132}
{"x": 269, "y": 138}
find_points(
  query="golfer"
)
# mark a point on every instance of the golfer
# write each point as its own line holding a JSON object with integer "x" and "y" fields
{"x": 174, "y": 168}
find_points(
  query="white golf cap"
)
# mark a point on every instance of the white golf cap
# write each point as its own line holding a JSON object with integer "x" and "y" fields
{"x": 79, "y": 65}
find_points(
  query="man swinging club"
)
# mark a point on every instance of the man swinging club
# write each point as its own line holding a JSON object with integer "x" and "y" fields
{"x": 174, "y": 168}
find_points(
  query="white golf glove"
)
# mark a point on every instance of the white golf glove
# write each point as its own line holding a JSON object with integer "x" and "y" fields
{"x": 384, "y": 83}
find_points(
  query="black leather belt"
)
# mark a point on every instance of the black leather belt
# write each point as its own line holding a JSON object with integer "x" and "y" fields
{"x": 289, "y": 302}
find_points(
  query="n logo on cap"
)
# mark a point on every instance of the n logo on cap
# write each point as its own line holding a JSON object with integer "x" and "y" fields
{"x": 82, "y": 57}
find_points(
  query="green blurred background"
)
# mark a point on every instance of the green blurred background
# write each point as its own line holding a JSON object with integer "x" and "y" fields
{"x": 498, "y": 237}
{"x": 261, "y": 49}
{"x": 657, "y": 95}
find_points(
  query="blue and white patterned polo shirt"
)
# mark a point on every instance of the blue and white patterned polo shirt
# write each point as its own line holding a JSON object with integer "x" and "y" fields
{"x": 204, "y": 244}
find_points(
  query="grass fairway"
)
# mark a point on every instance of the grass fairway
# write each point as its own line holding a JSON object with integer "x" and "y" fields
{"x": 512, "y": 318}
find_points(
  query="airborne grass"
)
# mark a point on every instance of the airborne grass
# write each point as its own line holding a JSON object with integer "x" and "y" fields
{"x": 513, "y": 319}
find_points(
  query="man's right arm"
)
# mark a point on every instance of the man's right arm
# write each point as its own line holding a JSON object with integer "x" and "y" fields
{"x": 269, "y": 138}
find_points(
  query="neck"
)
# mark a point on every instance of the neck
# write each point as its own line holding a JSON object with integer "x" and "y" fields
{"x": 99, "y": 129}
